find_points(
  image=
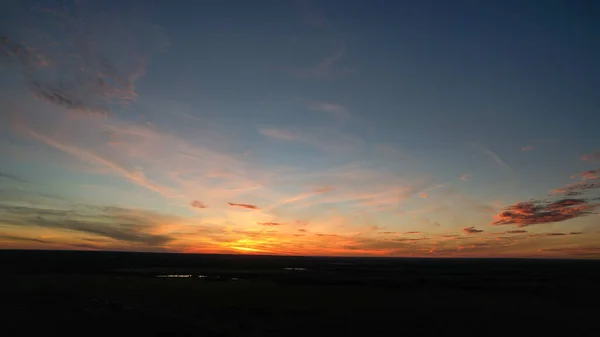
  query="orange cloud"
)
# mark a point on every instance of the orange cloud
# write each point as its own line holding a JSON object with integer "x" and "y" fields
{"x": 270, "y": 224}
{"x": 424, "y": 195}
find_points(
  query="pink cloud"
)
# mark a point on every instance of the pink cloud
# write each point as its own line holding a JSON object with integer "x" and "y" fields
{"x": 465, "y": 177}
{"x": 591, "y": 157}
{"x": 527, "y": 148}
{"x": 337, "y": 110}
{"x": 537, "y": 212}
{"x": 424, "y": 195}
{"x": 588, "y": 175}
{"x": 198, "y": 204}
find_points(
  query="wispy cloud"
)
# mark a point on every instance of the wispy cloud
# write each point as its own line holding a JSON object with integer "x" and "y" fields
{"x": 270, "y": 224}
{"x": 87, "y": 65}
{"x": 337, "y": 110}
{"x": 9, "y": 176}
{"x": 325, "y": 139}
{"x": 247, "y": 206}
{"x": 496, "y": 158}
{"x": 588, "y": 175}
{"x": 135, "y": 176}
{"x": 113, "y": 223}
{"x": 465, "y": 177}
{"x": 591, "y": 157}
{"x": 325, "y": 69}
{"x": 527, "y": 148}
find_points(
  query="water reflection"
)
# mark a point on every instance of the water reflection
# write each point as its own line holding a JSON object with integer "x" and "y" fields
{"x": 294, "y": 268}
{"x": 175, "y": 275}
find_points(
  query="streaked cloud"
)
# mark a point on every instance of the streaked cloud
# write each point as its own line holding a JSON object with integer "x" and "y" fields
{"x": 270, "y": 224}
{"x": 591, "y": 157}
{"x": 588, "y": 175}
{"x": 79, "y": 59}
{"x": 337, "y": 110}
{"x": 247, "y": 206}
{"x": 496, "y": 158}
{"x": 113, "y": 223}
{"x": 465, "y": 177}
{"x": 9, "y": 176}
{"x": 527, "y": 148}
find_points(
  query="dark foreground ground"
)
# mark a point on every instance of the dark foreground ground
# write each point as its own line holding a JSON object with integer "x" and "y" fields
{"x": 55, "y": 293}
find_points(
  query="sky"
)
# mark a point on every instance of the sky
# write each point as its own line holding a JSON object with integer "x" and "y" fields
{"x": 338, "y": 128}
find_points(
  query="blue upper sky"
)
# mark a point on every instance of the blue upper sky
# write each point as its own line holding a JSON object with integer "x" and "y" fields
{"x": 345, "y": 118}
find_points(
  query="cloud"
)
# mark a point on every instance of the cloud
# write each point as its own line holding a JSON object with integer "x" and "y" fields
{"x": 324, "y": 189}
{"x": 270, "y": 224}
{"x": 527, "y": 148}
{"x": 575, "y": 189}
{"x": 302, "y": 230}
{"x": 465, "y": 177}
{"x": 325, "y": 69}
{"x": 588, "y": 175}
{"x": 516, "y": 231}
{"x": 248, "y": 206}
{"x": 537, "y": 212}
{"x": 337, "y": 110}
{"x": 82, "y": 60}
{"x": 591, "y": 157}
{"x": 496, "y": 159}
{"x": 553, "y": 234}
{"x": 198, "y": 204}
{"x": 472, "y": 230}
{"x": 408, "y": 233}
{"x": 134, "y": 176}
{"x": 22, "y": 238}
{"x": 424, "y": 195}
{"x": 325, "y": 139}
{"x": 575, "y": 233}
{"x": 8, "y": 176}
{"x": 133, "y": 226}
{"x": 584, "y": 251}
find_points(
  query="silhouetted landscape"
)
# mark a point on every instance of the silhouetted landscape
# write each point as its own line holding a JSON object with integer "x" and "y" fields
{"x": 159, "y": 294}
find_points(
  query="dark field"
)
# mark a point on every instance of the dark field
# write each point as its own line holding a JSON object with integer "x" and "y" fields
{"x": 103, "y": 293}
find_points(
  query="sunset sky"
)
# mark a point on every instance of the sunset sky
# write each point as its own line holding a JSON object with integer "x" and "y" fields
{"x": 355, "y": 128}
